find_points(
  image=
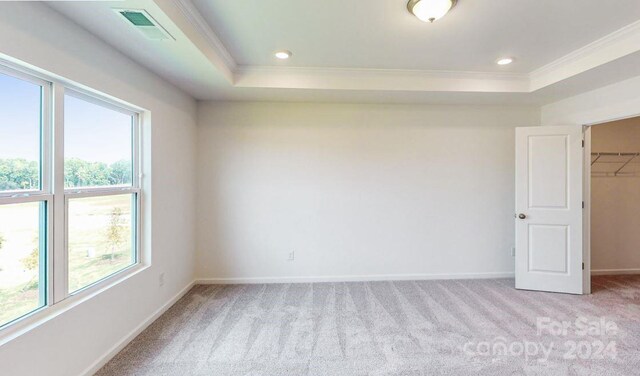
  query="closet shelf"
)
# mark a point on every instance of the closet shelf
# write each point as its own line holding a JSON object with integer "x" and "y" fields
{"x": 615, "y": 164}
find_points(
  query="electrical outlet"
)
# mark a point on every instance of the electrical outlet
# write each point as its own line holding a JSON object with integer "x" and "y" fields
{"x": 292, "y": 256}
{"x": 161, "y": 279}
{"x": 513, "y": 251}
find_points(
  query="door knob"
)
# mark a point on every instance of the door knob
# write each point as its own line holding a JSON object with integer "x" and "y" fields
{"x": 522, "y": 216}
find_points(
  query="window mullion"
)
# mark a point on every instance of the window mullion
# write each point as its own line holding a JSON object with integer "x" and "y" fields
{"x": 46, "y": 187}
{"x": 25, "y": 198}
{"x": 97, "y": 192}
{"x": 59, "y": 252}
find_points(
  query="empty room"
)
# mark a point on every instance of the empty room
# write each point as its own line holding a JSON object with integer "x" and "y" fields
{"x": 322, "y": 188}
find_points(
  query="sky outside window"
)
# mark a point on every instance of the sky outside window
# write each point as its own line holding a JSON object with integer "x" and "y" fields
{"x": 97, "y": 144}
{"x": 19, "y": 134}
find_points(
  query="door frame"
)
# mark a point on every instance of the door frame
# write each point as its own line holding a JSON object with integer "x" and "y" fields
{"x": 586, "y": 187}
{"x": 586, "y": 213}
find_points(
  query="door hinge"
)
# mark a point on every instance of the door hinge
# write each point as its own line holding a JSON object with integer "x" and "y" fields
{"x": 583, "y": 266}
{"x": 582, "y": 143}
{"x": 583, "y": 204}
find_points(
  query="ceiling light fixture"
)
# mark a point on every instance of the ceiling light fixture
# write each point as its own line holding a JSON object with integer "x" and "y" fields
{"x": 283, "y": 54}
{"x": 505, "y": 61}
{"x": 430, "y": 10}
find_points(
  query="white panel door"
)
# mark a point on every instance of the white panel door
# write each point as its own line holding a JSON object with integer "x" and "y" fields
{"x": 549, "y": 194}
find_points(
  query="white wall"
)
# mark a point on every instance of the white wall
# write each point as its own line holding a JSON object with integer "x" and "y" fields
{"x": 74, "y": 340}
{"x": 357, "y": 191}
{"x": 613, "y": 102}
{"x": 615, "y": 239}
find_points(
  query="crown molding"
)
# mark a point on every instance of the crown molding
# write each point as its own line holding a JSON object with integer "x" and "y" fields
{"x": 220, "y": 54}
{"x": 620, "y": 43}
{"x": 616, "y": 45}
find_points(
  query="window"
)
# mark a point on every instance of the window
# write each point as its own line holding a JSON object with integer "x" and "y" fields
{"x": 23, "y": 197}
{"x": 69, "y": 192}
{"x": 22, "y": 286}
{"x": 98, "y": 143}
{"x": 21, "y": 128}
{"x": 100, "y": 194}
{"x": 101, "y": 237}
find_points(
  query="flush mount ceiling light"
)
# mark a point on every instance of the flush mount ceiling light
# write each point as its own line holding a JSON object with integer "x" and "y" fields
{"x": 283, "y": 54}
{"x": 430, "y": 10}
{"x": 505, "y": 61}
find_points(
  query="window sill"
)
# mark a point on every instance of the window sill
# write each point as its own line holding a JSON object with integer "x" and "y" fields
{"x": 43, "y": 315}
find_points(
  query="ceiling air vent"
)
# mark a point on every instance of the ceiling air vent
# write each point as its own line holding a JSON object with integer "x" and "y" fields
{"x": 142, "y": 20}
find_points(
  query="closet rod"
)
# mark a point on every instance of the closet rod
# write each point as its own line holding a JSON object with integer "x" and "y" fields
{"x": 616, "y": 154}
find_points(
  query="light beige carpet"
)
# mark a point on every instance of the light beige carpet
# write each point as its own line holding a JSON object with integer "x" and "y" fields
{"x": 470, "y": 327}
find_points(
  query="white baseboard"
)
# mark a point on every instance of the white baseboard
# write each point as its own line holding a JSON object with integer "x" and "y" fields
{"x": 351, "y": 278}
{"x": 614, "y": 271}
{"x": 104, "y": 359}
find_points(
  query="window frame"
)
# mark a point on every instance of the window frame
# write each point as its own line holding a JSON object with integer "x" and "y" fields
{"x": 54, "y": 271}
{"x": 42, "y": 195}
{"x": 84, "y": 192}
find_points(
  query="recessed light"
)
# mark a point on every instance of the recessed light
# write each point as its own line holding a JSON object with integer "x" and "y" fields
{"x": 283, "y": 54}
{"x": 505, "y": 61}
